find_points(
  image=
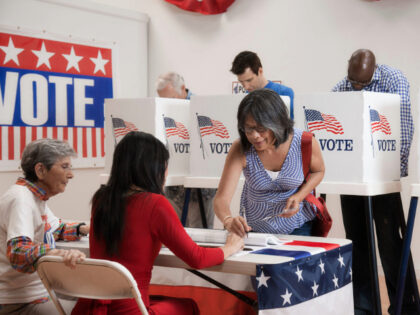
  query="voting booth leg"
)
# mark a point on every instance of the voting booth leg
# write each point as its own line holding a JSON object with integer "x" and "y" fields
{"x": 202, "y": 210}
{"x": 405, "y": 258}
{"x": 376, "y": 298}
{"x": 185, "y": 208}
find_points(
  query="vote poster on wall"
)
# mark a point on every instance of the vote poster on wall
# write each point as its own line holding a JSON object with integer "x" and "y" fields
{"x": 53, "y": 89}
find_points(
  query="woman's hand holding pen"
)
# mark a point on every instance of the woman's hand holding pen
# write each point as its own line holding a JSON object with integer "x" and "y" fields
{"x": 237, "y": 225}
{"x": 234, "y": 244}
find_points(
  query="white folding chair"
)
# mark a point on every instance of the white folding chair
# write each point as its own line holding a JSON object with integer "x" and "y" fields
{"x": 91, "y": 279}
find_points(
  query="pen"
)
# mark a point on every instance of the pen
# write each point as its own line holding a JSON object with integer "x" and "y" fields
{"x": 244, "y": 215}
{"x": 276, "y": 215}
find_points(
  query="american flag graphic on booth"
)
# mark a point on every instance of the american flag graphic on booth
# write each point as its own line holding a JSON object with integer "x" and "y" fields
{"x": 310, "y": 282}
{"x": 319, "y": 121}
{"x": 175, "y": 128}
{"x": 122, "y": 127}
{"x": 379, "y": 122}
{"x": 52, "y": 89}
{"x": 209, "y": 126}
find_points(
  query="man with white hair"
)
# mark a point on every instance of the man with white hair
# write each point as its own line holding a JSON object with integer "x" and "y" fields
{"x": 172, "y": 85}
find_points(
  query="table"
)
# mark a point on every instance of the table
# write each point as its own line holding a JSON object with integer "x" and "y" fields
{"x": 368, "y": 190}
{"x": 295, "y": 252}
{"x": 405, "y": 256}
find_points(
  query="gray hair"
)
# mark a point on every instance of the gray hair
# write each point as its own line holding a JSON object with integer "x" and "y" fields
{"x": 173, "y": 78}
{"x": 45, "y": 151}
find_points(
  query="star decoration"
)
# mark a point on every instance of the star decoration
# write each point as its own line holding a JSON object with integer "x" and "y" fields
{"x": 262, "y": 279}
{"x": 341, "y": 260}
{"x": 351, "y": 274}
{"x": 43, "y": 56}
{"x": 99, "y": 63}
{"x": 72, "y": 60}
{"x": 315, "y": 289}
{"x": 11, "y": 52}
{"x": 321, "y": 265}
{"x": 286, "y": 297}
{"x": 335, "y": 280}
{"x": 299, "y": 273}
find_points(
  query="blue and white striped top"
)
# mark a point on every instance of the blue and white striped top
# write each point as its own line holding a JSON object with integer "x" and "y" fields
{"x": 263, "y": 197}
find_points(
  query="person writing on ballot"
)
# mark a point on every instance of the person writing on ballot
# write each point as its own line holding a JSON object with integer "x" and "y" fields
{"x": 269, "y": 155}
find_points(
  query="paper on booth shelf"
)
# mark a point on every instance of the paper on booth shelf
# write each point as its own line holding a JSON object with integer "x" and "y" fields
{"x": 219, "y": 236}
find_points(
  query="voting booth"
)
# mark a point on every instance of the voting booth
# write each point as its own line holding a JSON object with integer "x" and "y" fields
{"x": 167, "y": 119}
{"x": 214, "y": 125}
{"x": 358, "y": 132}
{"x": 214, "y": 128}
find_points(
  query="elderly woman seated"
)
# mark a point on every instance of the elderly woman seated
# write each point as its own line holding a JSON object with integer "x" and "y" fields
{"x": 28, "y": 228}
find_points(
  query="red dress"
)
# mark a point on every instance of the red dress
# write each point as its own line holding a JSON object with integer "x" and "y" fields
{"x": 150, "y": 221}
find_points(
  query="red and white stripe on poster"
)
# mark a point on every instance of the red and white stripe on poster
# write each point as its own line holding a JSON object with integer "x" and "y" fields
{"x": 52, "y": 89}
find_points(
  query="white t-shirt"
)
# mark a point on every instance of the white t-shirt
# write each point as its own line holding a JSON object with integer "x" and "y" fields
{"x": 20, "y": 215}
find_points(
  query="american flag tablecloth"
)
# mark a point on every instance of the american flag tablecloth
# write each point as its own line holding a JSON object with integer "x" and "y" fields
{"x": 315, "y": 277}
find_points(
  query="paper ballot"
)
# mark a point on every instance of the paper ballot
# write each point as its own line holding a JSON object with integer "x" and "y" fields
{"x": 219, "y": 236}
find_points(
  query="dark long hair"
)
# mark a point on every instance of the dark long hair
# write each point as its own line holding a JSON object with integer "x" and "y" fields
{"x": 269, "y": 111}
{"x": 139, "y": 161}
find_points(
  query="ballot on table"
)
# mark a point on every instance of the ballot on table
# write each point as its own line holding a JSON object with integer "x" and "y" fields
{"x": 166, "y": 118}
{"x": 358, "y": 132}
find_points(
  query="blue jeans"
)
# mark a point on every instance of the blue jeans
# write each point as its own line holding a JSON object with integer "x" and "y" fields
{"x": 305, "y": 229}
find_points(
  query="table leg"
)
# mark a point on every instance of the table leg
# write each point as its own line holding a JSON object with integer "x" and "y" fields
{"x": 185, "y": 208}
{"x": 405, "y": 257}
{"x": 376, "y": 298}
{"x": 240, "y": 296}
{"x": 202, "y": 210}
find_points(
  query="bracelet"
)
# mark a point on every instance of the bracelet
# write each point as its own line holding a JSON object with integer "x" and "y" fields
{"x": 226, "y": 217}
{"x": 78, "y": 229}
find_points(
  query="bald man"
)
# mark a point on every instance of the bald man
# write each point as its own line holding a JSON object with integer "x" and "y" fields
{"x": 364, "y": 74}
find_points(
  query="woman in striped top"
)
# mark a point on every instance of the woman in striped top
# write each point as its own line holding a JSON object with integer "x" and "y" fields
{"x": 269, "y": 154}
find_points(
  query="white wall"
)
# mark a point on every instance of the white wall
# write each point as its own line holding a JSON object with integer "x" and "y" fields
{"x": 306, "y": 44}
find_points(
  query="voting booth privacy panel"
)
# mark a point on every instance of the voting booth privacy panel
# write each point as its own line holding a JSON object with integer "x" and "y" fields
{"x": 215, "y": 127}
{"x": 358, "y": 132}
{"x": 166, "y": 119}
{"x": 213, "y": 119}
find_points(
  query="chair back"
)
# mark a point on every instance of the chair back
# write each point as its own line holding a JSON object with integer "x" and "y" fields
{"x": 91, "y": 279}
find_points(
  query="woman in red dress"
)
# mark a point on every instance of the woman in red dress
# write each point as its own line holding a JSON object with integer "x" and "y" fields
{"x": 131, "y": 219}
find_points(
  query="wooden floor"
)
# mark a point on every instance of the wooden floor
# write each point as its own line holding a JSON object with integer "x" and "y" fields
{"x": 384, "y": 295}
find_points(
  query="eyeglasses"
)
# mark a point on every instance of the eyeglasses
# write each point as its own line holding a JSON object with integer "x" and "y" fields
{"x": 250, "y": 130}
{"x": 362, "y": 84}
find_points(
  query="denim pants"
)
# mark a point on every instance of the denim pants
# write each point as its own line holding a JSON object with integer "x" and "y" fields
{"x": 387, "y": 210}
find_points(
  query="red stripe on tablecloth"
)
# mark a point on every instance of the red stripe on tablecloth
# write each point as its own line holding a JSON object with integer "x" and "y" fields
{"x": 326, "y": 246}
